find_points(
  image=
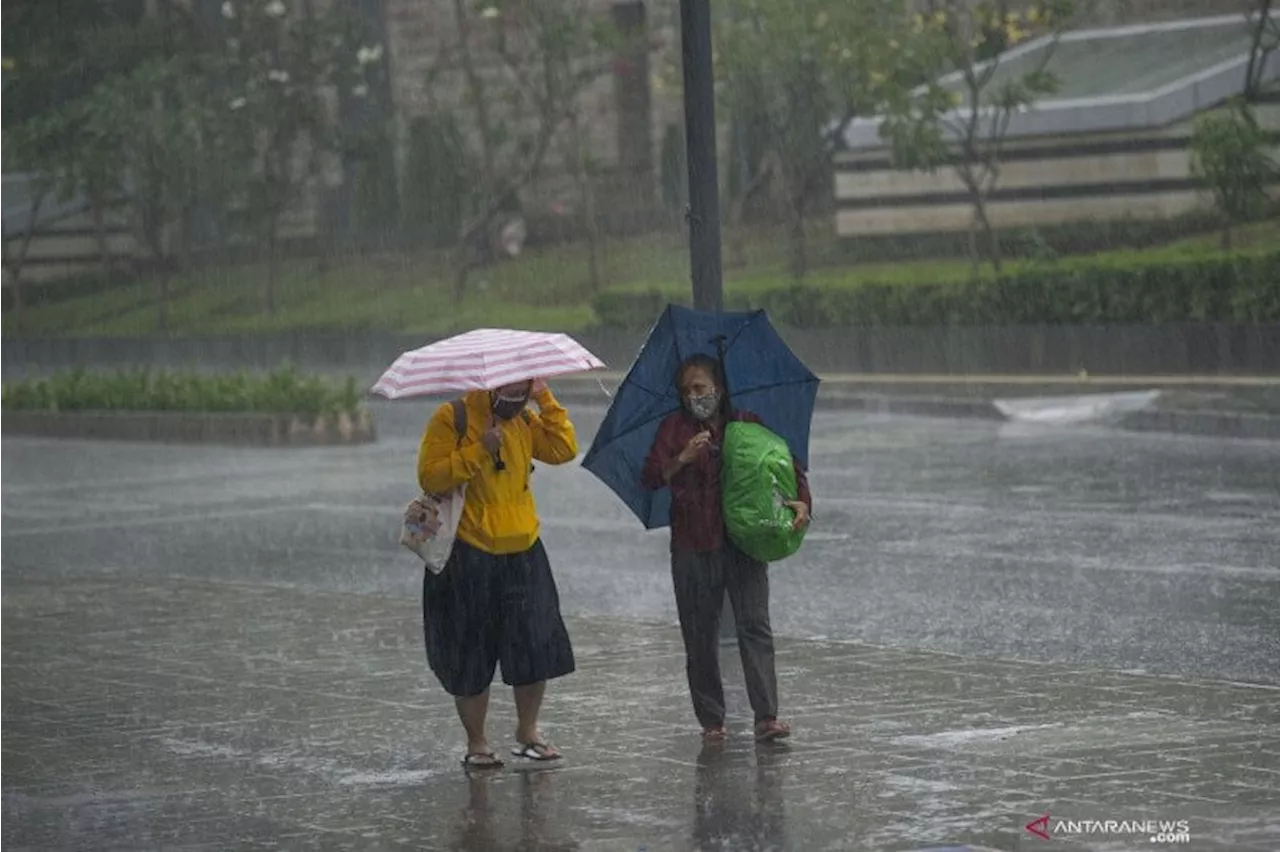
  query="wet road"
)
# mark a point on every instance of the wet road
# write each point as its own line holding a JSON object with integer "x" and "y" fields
{"x": 1084, "y": 546}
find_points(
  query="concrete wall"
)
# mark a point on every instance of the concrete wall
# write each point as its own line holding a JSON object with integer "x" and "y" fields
{"x": 70, "y": 246}
{"x": 1045, "y": 180}
{"x": 1199, "y": 348}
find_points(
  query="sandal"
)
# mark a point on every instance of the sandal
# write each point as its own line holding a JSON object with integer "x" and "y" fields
{"x": 481, "y": 760}
{"x": 714, "y": 732}
{"x": 771, "y": 729}
{"x": 536, "y": 750}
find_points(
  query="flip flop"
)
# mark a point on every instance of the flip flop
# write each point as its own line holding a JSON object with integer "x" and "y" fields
{"x": 535, "y": 751}
{"x": 481, "y": 760}
{"x": 772, "y": 730}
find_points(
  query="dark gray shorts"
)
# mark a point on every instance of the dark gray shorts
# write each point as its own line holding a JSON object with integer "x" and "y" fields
{"x": 482, "y": 610}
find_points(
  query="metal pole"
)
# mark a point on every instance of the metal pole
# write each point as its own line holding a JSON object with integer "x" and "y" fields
{"x": 700, "y": 149}
{"x": 704, "y": 190}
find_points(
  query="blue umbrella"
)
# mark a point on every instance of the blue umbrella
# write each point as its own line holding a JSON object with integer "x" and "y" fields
{"x": 763, "y": 374}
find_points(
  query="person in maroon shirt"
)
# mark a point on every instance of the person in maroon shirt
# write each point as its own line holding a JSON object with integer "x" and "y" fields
{"x": 685, "y": 457}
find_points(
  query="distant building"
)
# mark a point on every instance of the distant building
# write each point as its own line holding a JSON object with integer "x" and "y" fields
{"x": 1112, "y": 144}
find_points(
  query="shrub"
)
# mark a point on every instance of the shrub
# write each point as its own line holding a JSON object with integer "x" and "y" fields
{"x": 1243, "y": 287}
{"x": 76, "y": 286}
{"x": 1080, "y": 237}
{"x": 284, "y": 391}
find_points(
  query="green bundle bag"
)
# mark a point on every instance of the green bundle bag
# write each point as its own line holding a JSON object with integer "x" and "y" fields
{"x": 757, "y": 478}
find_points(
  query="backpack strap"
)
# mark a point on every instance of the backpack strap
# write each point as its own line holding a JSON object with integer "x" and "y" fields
{"x": 460, "y": 419}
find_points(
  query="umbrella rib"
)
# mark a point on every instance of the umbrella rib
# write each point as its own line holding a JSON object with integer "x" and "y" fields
{"x": 813, "y": 381}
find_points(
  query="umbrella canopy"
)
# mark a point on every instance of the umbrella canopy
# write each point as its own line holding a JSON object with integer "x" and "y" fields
{"x": 483, "y": 359}
{"x": 763, "y": 374}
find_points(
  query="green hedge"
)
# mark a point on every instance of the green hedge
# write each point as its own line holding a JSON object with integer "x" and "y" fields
{"x": 284, "y": 391}
{"x": 1230, "y": 288}
{"x": 1086, "y": 236}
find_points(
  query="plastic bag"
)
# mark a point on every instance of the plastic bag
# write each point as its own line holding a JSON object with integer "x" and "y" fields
{"x": 757, "y": 480}
{"x": 430, "y": 524}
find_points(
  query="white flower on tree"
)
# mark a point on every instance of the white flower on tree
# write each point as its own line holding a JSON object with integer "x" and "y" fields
{"x": 369, "y": 55}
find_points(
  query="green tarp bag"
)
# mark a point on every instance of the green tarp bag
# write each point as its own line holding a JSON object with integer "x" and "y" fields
{"x": 757, "y": 478}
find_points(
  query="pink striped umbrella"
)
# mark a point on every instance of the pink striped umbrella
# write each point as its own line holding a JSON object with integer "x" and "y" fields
{"x": 484, "y": 359}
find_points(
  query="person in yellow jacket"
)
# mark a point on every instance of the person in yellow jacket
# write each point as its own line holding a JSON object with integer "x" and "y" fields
{"x": 496, "y": 600}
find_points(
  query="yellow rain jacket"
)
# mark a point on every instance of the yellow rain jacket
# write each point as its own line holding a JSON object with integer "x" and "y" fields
{"x": 499, "y": 516}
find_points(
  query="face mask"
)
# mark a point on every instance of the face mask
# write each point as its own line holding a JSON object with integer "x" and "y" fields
{"x": 505, "y": 408}
{"x": 704, "y": 407}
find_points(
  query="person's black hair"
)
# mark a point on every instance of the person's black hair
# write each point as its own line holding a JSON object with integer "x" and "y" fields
{"x": 716, "y": 370}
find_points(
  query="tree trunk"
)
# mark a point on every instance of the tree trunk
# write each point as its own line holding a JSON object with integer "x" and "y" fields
{"x": 272, "y": 235}
{"x": 16, "y": 284}
{"x": 100, "y": 234}
{"x": 992, "y": 238}
{"x": 587, "y": 196}
{"x": 798, "y": 248}
{"x": 975, "y": 253}
{"x": 980, "y": 222}
{"x": 737, "y": 239}
{"x": 15, "y": 269}
{"x": 1252, "y": 75}
{"x": 162, "y": 315}
{"x": 463, "y": 273}
{"x": 737, "y": 215}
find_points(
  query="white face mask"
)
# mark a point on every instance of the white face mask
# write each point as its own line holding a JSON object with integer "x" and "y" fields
{"x": 507, "y": 407}
{"x": 704, "y": 407}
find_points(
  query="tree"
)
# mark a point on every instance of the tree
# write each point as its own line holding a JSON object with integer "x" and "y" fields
{"x": 1229, "y": 155}
{"x": 962, "y": 120}
{"x": 32, "y": 147}
{"x": 800, "y": 71}
{"x": 235, "y": 124}
{"x": 1266, "y": 38}
{"x": 176, "y": 148}
{"x": 55, "y": 56}
{"x": 14, "y": 260}
{"x": 547, "y": 53}
{"x": 280, "y": 62}
{"x": 56, "y": 52}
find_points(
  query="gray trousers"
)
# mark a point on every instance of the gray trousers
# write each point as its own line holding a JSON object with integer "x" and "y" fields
{"x": 701, "y": 580}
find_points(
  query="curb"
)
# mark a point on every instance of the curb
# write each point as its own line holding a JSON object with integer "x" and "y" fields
{"x": 245, "y": 430}
{"x": 1205, "y": 424}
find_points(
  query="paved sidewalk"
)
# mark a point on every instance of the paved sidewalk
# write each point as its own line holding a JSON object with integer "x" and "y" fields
{"x": 178, "y": 713}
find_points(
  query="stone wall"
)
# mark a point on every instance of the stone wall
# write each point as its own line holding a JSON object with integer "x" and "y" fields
{"x": 1139, "y": 174}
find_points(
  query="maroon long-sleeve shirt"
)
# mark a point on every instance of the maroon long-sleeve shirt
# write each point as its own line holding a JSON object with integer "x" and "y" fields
{"x": 697, "y": 521}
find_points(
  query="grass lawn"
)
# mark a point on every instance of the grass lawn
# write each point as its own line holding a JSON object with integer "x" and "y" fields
{"x": 543, "y": 290}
